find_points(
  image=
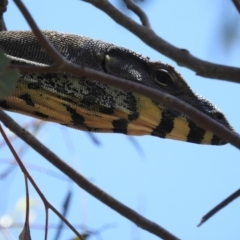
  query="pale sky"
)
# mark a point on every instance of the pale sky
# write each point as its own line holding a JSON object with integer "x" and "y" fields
{"x": 170, "y": 182}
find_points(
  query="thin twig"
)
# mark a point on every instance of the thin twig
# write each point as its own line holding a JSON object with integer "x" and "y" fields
{"x": 3, "y": 8}
{"x": 26, "y": 173}
{"x": 237, "y": 4}
{"x": 26, "y": 224}
{"x": 46, "y": 222}
{"x": 139, "y": 12}
{"x": 83, "y": 182}
{"x": 181, "y": 56}
{"x": 220, "y": 206}
{"x": 55, "y": 55}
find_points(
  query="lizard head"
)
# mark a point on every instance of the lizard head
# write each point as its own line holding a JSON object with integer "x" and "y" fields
{"x": 88, "y": 105}
{"x": 168, "y": 80}
{"x": 165, "y": 121}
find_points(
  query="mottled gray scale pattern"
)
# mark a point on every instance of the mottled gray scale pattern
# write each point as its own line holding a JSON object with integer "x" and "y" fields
{"x": 83, "y": 51}
{"x": 92, "y": 95}
{"x": 35, "y": 86}
{"x": 77, "y": 94}
{"x": 131, "y": 101}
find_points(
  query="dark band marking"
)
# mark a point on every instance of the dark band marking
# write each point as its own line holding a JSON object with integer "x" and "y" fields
{"x": 196, "y": 134}
{"x": 216, "y": 140}
{"x": 165, "y": 126}
{"x": 4, "y": 105}
{"x": 105, "y": 110}
{"x": 131, "y": 101}
{"x": 133, "y": 116}
{"x": 27, "y": 99}
{"x": 39, "y": 114}
{"x": 120, "y": 126}
{"x": 77, "y": 119}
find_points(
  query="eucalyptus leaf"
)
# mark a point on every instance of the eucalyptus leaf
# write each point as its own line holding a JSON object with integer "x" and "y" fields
{"x": 8, "y": 77}
{"x": 4, "y": 61}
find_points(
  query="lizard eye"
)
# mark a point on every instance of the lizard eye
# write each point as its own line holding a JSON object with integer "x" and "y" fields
{"x": 163, "y": 78}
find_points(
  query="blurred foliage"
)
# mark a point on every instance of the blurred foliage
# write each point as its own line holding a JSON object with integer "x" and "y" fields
{"x": 228, "y": 27}
{"x": 84, "y": 235}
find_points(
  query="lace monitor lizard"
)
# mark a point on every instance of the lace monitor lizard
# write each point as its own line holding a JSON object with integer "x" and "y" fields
{"x": 92, "y": 106}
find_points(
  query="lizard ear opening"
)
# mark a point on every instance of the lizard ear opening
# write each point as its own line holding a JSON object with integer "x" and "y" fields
{"x": 124, "y": 63}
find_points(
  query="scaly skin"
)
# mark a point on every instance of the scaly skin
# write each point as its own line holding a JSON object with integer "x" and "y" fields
{"x": 92, "y": 106}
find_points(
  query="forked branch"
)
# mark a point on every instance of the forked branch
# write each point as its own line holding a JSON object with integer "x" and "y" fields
{"x": 181, "y": 56}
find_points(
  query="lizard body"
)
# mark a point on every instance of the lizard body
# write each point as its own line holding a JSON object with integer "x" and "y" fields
{"x": 88, "y": 105}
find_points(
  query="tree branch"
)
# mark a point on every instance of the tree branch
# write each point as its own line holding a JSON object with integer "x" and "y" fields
{"x": 220, "y": 206}
{"x": 138, "y": 11}
{"x": 54, "y": 54}
{"x": 83, "y": 182}
{"x": 28, "y": 176}
{"x": 181, "y": 56}
{"x": 237, "y": 4}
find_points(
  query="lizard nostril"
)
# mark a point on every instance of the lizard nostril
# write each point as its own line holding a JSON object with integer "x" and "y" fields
{"x": 219, "y": 116}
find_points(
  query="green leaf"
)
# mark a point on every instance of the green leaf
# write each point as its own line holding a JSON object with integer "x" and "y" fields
{"x": 4, "y": 61}
{"x": 8, "y": 77}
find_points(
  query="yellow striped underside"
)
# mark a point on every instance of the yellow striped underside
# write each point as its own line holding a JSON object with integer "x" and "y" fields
{"x": 150, "y": 114}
